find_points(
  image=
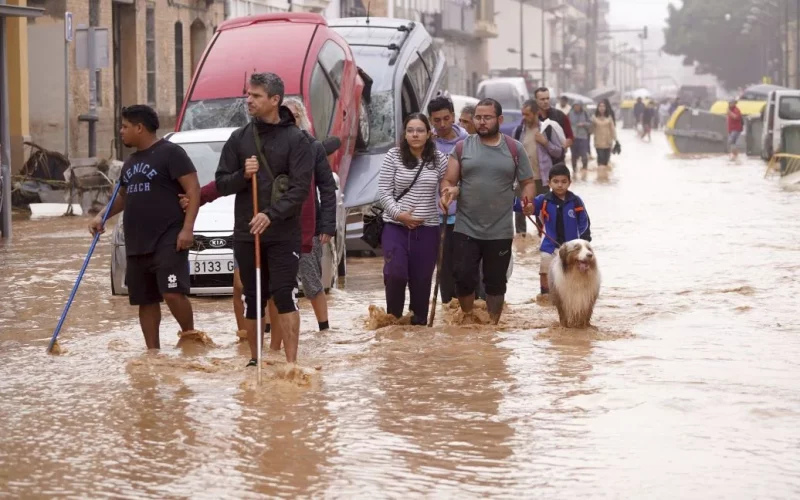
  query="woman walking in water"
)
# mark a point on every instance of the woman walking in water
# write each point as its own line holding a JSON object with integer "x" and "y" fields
{"x": 605, "y": 133}
{"x": 408, "y": 189}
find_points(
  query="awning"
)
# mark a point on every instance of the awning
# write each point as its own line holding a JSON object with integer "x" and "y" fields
{"x": 20, "y": 11}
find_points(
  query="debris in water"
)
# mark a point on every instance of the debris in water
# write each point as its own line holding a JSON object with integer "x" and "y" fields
{"x": 57, "y": 350}
{"x": 379, "y": 318}
{"x": 195, "y": 336}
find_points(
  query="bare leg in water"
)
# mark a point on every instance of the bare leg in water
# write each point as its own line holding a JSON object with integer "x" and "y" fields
{"x": 181, "y": 310}
{"x": 150, "y": 319}
{"x": 276, "y": 332}
{"x": 494, "y": 306}
{"x": 290, "y": 327}
{"x": 238, "y": 303}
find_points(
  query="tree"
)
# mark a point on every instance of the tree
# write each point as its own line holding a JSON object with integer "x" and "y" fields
{"x": 708, "y": 34}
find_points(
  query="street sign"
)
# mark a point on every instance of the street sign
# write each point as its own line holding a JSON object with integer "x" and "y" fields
{"x": 101, "y": 50}
{"x": 68, "y": 26}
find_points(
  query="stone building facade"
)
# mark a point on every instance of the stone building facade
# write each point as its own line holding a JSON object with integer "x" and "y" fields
{"x": 153, "y": 48}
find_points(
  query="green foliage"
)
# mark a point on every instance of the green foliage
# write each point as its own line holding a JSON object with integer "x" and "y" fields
{"x": 699, "y": 32}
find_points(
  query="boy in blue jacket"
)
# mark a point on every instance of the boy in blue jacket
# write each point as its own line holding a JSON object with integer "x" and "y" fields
{"x": 563, "y": 216}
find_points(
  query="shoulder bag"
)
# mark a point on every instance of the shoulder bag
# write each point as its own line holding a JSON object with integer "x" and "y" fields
{"x": 280, "y": 184}
{"x": 373, "y": 222}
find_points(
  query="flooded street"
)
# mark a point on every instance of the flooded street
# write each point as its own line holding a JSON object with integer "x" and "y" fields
{"x": 688, "y": 388}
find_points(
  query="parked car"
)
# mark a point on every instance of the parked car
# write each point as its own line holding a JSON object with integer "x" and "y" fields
{"x": 313, "y": 60}
{"x": 407, "y": 71}
{"x": 782, "y": 110}
{"x": 211, "y": 256}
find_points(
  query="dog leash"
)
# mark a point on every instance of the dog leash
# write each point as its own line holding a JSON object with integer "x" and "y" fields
{"x": 538, "y": 227}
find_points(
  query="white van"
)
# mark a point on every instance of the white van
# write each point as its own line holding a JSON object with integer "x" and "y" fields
{"x": 782, "y": 109}
{"x": 510, "y": 92}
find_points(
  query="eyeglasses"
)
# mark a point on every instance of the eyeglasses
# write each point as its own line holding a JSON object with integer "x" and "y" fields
{"x": 419, "y": 131}
{"x": 484, "y": 118}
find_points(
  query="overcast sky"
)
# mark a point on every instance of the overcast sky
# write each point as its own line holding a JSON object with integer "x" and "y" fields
{"x": 639, "y": 12}
{"x": 635, "y": 14}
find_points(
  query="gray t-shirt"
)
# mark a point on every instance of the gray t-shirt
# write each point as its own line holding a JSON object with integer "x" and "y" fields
{"x": 486, "y": 199}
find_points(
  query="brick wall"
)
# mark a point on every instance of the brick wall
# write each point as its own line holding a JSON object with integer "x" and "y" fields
{"x": 47, "y": 122}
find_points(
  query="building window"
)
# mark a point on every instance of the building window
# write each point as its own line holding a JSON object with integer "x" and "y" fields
{"x": 94, "y": 21}
{"x": 178, "y": 66}
{"x": 150, "y": 41}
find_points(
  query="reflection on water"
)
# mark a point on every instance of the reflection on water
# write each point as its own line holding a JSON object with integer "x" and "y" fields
{"x": 686, "y": 385}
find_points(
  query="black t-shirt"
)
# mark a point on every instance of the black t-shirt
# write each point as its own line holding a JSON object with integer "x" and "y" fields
{"x": 153, "y": 214}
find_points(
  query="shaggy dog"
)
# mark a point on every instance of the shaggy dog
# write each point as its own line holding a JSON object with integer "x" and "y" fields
{"x": 574, "y": 283}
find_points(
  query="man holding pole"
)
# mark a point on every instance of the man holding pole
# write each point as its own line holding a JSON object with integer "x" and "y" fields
{"x": 273, "y": 153}
{"x": 158, "y": 233}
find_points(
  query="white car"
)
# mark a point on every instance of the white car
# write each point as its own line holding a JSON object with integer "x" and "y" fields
{"x": 211, "y": 256}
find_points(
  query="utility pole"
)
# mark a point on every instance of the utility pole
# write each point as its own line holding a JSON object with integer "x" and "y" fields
{"x": 521, "y": 41}
{"x": 544, "y": 52}
{"x": 594, "y": 12}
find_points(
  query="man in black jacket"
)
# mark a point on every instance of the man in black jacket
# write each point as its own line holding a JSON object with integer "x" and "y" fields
{"x": 285, "y": 159}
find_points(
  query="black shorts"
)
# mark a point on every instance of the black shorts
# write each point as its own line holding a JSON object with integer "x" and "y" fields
{"x": 150, "y": 276}
{"x": 280, "y": 262}
{"x": 467, "y": 255}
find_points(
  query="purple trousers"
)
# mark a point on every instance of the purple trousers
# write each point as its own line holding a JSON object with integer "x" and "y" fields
{"x": 409, "y": 259}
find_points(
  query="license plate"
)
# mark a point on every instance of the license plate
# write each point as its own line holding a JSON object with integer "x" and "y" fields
{"x": 221, "y": 266}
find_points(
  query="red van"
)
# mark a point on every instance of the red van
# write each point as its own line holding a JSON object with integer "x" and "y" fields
{"x": 314, "y": 62}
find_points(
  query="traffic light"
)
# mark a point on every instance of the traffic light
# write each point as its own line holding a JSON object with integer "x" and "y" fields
{"x": 644, "y": 33}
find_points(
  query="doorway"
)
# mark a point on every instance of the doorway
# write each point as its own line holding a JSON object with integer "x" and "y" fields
{"x": 123, "y": 29}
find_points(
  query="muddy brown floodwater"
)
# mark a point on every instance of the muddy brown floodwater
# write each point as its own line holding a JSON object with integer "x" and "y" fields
{"x": 689, "y": 387}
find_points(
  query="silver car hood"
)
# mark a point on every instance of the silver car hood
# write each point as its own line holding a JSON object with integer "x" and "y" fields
{"x": 362, "y": 180}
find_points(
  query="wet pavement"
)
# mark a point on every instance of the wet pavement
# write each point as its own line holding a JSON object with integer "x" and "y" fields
{"x": 687, "y": 388}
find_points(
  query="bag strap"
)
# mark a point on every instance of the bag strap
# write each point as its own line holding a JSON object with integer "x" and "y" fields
{"x": 512, "y": 148}
{"x": 260, "y": 151}
{"x": 406, "y": 190}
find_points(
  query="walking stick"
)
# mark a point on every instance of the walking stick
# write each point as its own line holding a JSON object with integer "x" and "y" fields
{"x": 83, "y": 270}
{"x": 259, "y": 328}
{"x": 442, "y": 233}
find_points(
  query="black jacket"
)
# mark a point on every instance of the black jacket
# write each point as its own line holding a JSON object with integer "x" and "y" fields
{"x": 326, "y": 184}
{"x": 288, "y": 151}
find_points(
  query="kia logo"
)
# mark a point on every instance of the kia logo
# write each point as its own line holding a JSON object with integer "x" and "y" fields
{"x": 217, "y": 242}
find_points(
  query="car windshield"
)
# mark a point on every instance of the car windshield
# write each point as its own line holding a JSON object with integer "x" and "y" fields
{"x": 381, "y": 121}
{"x": 205, "y": 157}
{"x": 216, "y": 113}
{"x": 375, "y": 62}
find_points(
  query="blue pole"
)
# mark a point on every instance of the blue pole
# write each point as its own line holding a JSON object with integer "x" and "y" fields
{"x": 83, "y": 270}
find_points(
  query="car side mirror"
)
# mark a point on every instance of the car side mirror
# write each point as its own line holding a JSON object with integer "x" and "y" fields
{"x": 331, "y": 145}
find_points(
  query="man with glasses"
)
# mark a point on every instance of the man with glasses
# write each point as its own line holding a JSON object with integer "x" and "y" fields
{"x": 481, "y": 173}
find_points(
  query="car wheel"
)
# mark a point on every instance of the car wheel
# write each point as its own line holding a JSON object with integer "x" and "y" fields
{"x": 111, "y": 275}
{"x": 363, "y": 126}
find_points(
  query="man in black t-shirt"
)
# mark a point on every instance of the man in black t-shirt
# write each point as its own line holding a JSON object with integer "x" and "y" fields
{"x": 158, "y": 233}
{"x": 272, "y": 147}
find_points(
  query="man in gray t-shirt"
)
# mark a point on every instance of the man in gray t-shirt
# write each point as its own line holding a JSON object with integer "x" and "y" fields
{"x": 483, "y": 183}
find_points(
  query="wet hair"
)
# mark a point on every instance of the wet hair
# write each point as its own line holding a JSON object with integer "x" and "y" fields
{"x": 540, "y": 89}
{"x": 270, "y": 82}
{"x": 440, "y": 103}
{"x": 469, "y": 109}
{"x": 559, "y": 169}
{"x": 141, "y": 114}
{"x": 303, "y": 123}
{"x": 488, "y": 101}
{"x": 428, "y": 151}
{"x": 532, "y": 105}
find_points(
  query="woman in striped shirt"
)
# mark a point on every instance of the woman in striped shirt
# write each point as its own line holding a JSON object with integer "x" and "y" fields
{"x": 408, "y": 189}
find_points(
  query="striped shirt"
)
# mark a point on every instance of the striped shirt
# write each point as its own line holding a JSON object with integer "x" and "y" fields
{"x": 424, "y": 194}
